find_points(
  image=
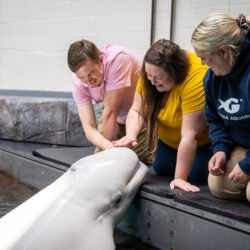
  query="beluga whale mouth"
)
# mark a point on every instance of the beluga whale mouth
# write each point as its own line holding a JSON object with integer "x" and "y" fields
{"x": 80, "y": 209}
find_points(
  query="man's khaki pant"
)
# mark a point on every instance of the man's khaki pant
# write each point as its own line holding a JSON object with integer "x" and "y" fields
{"x": 222, "y": 187}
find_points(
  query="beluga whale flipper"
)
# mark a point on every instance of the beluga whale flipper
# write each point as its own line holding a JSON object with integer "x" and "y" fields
{"x": 79, "y": 210}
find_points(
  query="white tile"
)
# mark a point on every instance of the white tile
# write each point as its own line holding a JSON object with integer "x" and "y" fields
{"x": 35, "y": 34}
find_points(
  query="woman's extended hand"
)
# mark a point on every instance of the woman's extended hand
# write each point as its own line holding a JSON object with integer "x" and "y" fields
{"x": 183, "y": 185}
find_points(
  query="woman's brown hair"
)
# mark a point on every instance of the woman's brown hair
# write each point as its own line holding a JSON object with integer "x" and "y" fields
{"x": 174, "y": 61}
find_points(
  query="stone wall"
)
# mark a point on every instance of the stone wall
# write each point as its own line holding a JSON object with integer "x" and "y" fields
{"x": 43, "y": 120}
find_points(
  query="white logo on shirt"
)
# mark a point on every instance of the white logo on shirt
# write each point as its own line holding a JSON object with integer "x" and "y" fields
{"x": 230, "y": 105}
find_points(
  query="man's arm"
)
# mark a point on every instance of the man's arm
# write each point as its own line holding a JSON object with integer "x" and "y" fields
{"x": 112, "y": 105}
{"x": 88, "y": 120}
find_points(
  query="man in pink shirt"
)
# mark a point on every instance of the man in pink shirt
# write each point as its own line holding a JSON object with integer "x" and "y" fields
{"x": 109, "y": 75}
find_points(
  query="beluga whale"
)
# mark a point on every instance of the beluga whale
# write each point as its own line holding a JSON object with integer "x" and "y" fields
{"x": 79, "y": 210}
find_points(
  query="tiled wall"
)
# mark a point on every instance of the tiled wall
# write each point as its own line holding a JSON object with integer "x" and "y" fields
{"x": 35, "y": 34}
{"x": 189, "y": 13}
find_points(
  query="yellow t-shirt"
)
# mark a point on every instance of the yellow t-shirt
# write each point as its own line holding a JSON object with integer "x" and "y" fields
{"x": 184, "y": 98}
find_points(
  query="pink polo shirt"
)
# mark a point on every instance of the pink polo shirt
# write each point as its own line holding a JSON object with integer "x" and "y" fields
{"x": 121, "y": 70}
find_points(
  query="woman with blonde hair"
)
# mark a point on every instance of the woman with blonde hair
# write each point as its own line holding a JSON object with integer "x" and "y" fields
{"x": 223, "y": 43}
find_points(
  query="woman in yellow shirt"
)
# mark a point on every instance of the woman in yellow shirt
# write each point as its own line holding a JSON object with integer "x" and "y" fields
{"x": 170, "y": 100}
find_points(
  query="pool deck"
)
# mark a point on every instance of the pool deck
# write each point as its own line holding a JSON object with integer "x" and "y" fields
{"x": 163, "y": 218}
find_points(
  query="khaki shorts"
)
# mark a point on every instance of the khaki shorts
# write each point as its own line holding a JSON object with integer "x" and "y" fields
{"x": 222, "y": 187}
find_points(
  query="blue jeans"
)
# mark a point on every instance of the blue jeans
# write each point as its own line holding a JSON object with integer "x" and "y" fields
{"x": 165, "y": 161}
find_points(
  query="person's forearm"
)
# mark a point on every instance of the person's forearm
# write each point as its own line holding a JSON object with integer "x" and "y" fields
{"x": 88, "y": 121}
{"x": 97, "y": 139}
{"x": 109, "y": 127}
{"x": 134, "y": 124}
{"x": 185, "y": 159}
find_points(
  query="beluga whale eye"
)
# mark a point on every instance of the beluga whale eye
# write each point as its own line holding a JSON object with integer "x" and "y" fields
{"x": 116, "y": 198}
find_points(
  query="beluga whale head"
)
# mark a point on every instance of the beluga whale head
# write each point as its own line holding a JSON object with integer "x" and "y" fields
{"x": 79, "y": 210}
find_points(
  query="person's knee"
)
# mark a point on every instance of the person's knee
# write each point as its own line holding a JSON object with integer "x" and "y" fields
{"x": 200, "y": 177}
{"x": 162, "y": 169}
{"x": 216, "y": 185}
{"x": 157, "y": 168}
{"x": 221, "y": 187}
{"x": 199, "y": 173}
